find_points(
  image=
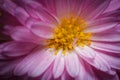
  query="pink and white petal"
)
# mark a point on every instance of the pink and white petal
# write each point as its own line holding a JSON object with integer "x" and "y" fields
{"x": 114, "y": 5}
{"x": 95, "y": 9}
{"x": 15, "y": 49}
{"x": 47, "y": 75}
{"x": 66, "y": 76}
{"x": 102, "y": 24}
{"x": 42, "y": 30}
{"x": 72, "y": 67}
{"x": 47, "y": 59}
{"x": 35, "y": 64}
{"x": 87, "y": 52}
{"x": 15, "y": 10}
{"x": 114, "y": 61}
{"x": 98, "y": 62}
{"x": 58, "y": 67}
{"x": 86, "y": 72}
{"x": 107, "y": 47}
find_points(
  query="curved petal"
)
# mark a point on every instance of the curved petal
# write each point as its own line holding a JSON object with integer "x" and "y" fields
{"x": 15, "y": 49}
{"x": 72, "y": 64}
{"x": 102, "y": 24}
{"x": 114, "y": 5}
{"x": 86, "y": 72}
{"x": 109, "y": 47}
{"x": 95, "y": 9}
{"x": 106, "y": 37}
{"x": 47, "y": 75}
{"x": 36, "y": 10}
{"x": 58, "y": 67}
{"x": 23, "y": 34}
{"x": 35, "y": 64}
{"x": 113, "y": 60}
{"x": 16, "y": 11}
{"x": 85, "y": 52}
{"x": 42, "y": 30}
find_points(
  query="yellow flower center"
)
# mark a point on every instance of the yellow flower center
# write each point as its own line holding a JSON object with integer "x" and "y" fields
{"x": 69, "y": 33}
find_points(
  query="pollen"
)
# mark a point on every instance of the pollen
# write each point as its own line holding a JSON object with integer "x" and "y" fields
{"x": 69, "y": 33}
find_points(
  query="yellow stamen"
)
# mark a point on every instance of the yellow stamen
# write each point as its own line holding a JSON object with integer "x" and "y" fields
{"x": 69, "y": 33}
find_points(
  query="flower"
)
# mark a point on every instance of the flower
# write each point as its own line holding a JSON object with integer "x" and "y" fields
{"x": 62, "y": 39}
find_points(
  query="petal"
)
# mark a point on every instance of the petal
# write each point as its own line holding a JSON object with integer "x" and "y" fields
{"x": 114, "y": 4}
{"x": 22, "y": 34}
{"x": 86, "y": 72}
{"x": 36, "y": 10}
{"x": 106, "y": 37}
{"x": 108, "y": 47}
{"x": 102, "y": 24}
{"x": 16, "y": 11}
{"x": 58, "y": 67}
{"x": 42, "y": 30}
{"x": 87, "y": 52}
{"x": 15, "y": 49}
{"x": 72, "y": 64}
{"x": 95, "y": 9}
{"x": 113, "y": 60}
{"x": 35, "y": 64}
{"x": 47, "y": 75}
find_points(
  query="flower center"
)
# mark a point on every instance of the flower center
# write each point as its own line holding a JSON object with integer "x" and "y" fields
{"x": 69, "y": 33}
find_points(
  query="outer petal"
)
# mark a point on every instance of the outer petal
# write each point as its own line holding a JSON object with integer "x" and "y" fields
{"x": 35, "y": 64}
{"x": 16, "y": 11}
{"x": 95, "y": 9}
{"x": 86, "y": 72}
{"x": 72, "y": 67}
{"x": 36, "y": 10}
{"x": 108, "y": 47}
{"x": 113, "y": 60}
{"x": 102, "y": 24}
{"x": 58, "y": 67}
{"x": 22, "y": 34}
{"x": 15, "y": 49}
{"x": 114, "y": 4}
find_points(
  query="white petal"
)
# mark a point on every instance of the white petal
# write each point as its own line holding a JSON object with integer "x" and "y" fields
{"x": 58, "y": 67}
{"x": 72, "y": 64}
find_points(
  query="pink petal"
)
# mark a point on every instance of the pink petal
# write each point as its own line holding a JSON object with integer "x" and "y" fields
{"x": 87, "y": 52}
{"x": 47, "y": 75}
{"x": 107, "y": 37}
{"x": 15, "y": 49}
{"x": 16, "y": 11}
{"x": 113, "y": 60}
{"x": 72, "y": 64}
{"x": 39, "y": 11}
{"x": 102, "y": 24}
{"x": 86, "y": 72}
{"x": 109, "y": 47}
{"x": 58, "y": 67}
{"x": 42, "y": 30}
{"x": 23, "y": 34}
{"x": 95, "y": 9}
{"x": 35, "y": 64}
{"x": 114, "y": 4}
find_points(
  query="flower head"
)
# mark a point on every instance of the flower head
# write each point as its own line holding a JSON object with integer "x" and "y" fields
{"x": 62, "y": 39}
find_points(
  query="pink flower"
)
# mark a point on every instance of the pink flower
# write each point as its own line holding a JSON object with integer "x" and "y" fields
{"x": 62, "y": 39}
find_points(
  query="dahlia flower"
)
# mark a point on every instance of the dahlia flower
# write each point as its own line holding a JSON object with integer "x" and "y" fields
{"x": 61, "y": 39}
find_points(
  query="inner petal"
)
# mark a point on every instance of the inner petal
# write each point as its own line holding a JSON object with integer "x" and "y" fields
{"x": 69, "y": 33}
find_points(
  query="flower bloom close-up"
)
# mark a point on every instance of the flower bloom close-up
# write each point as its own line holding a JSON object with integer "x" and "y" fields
{"x": 60, "y": 40}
